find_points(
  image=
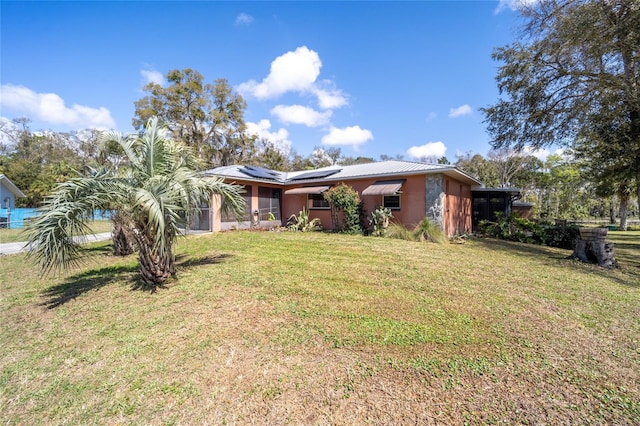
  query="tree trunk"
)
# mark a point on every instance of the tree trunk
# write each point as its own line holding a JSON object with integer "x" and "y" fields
{"x": 612, "y": 213}
{"x": 624, "y": 204}
{"x": 592, "y": 248}
{"x": 638, "y": 193}
{"x": 155, "y": 269}
{"x": 598, "y": 252}
{"x": 122, "y": 235}
{"x": 123, "y": 241}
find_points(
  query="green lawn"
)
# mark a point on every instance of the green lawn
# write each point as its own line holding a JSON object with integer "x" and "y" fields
{"x": 292, "y": 328}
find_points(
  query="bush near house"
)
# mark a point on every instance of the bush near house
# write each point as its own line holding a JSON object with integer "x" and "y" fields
{"x": 425, "y": 231}
{"x": 515, "y": 228}
{"x": 302, "y": 223}
{"x": 344, "y": 199}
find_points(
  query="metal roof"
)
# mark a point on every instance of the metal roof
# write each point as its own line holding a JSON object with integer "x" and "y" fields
{"x": 11, "y": 187}
{"x": 380, "y": 169}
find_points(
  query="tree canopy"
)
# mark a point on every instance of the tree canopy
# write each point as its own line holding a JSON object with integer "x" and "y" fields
{"x": 207, "y": 117}
{"x": 574, "y": 80}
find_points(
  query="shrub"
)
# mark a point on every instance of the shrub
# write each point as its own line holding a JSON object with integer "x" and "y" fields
{"x": 346, "y": 199}
{"x": 428, "y": 231}
{"x": 302, "y": 223}
{"x": 562, "y": 236}
{"x": 424, "y": 231}
{"x": 515, "y": 228}
{"x": 379, "y": 221}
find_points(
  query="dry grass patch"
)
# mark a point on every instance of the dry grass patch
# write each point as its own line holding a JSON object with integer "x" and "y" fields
{"x": 290, "y": 328}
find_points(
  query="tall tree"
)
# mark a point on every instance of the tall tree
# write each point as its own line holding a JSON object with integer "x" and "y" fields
{"x": 511, "y": 165}
{"x": 562, "y": 189}
{"x": 607, "y": 162}
{"x": 348, "y": 161}
{"x": 577, "y": 64}
{"x": 480, "y": 167}
{"x": 270, "y": 156}
{"x": 37, "y": 161}
{"x": 158, "y": 186}
{"x": 209, "y": 118}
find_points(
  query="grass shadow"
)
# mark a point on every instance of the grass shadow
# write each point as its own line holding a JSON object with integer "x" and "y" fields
{"x": 84, "y": 282}
{"x": 182, "y": 261}
{"x": 98, "y": 249}
{"x": 188, "y": 262}
{"x": 94, "y": 279}
{"x": 627, "y": 274}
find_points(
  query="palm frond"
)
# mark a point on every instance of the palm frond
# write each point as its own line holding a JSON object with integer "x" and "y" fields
{"x": 54, "y": 236}
{"x": 232, "y": 200}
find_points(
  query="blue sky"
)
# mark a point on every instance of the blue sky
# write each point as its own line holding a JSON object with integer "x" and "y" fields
{"x": 372, "y": 78}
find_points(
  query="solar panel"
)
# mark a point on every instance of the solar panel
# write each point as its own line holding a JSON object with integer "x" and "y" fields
{"x": 316, "y": 174}
{"x": 260, "y": 173}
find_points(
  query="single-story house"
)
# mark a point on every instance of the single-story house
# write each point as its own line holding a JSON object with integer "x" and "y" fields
{"x": 443, "y": 193}
{"x": 8, "y": 194}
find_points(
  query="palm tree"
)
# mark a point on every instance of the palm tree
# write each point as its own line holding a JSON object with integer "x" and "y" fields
{"x": 159, "y": 186}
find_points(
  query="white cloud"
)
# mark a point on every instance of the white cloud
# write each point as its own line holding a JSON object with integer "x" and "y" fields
{"x": 151, "y": 76}
{"x": 350, "y": 136}
{"x": 51, "y": 108}
{"x": 298, "y": 114}
{"x": 294, "y": 71}
{"x": 279, "y": 138}
{"x": 244, "y": 19}
{"x": 328, "y": 96}
{"x": 460, "y": 111}
{"x": 430, "y": 149}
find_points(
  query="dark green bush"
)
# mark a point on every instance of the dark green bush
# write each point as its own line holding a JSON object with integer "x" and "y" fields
{"x": 346, "y": 199}
{"x": 515, "y": 228}
{"x": 561, "y": 236}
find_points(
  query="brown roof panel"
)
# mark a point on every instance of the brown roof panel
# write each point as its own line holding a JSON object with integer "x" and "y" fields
{"x": 307, "y": 190}
{"x": 383, "y": 187}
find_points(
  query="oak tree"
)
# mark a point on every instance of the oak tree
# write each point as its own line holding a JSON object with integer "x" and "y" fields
{"x": 207, "y": 117}
{"x": 576, "y": 67}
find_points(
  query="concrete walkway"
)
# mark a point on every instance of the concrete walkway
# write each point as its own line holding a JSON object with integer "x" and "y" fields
{"x": 13, "y": 248}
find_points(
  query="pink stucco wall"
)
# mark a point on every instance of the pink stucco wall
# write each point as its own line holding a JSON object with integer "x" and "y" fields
{"x": 413, "y": 208}
{"x": 457, "y": 207}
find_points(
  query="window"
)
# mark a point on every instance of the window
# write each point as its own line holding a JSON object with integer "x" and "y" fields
{"x": 269, "y": 203}
{"x": 229, "y": 217}
{"x": 317, "y": 201}
{"x": 391, "y": 202}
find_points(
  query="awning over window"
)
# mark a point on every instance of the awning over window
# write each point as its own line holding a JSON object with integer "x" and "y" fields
{"x": 307, "y": 190}
{"x": 384, "y": 187}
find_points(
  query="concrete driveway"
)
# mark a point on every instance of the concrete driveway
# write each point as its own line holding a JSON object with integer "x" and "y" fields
{"x": 13, "y": 248}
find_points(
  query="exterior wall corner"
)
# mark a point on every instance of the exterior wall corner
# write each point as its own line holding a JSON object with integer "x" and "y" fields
{"x": 435, "y": 198}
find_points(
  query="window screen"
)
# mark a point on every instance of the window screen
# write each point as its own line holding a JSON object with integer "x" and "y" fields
{"x": 391, "y": 202}
{"x": 317, "y": 201}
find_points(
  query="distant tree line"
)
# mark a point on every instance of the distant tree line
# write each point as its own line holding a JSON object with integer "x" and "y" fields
{"x": 209, "y": 118}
